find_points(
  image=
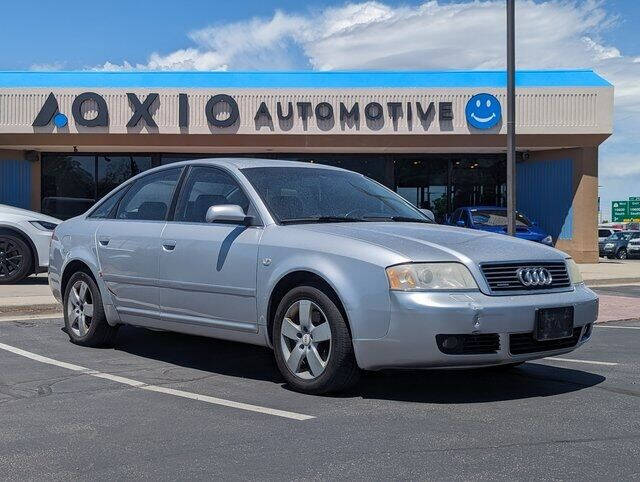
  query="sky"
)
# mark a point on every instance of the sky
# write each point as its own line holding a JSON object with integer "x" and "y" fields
{"x": 340, "y": 35}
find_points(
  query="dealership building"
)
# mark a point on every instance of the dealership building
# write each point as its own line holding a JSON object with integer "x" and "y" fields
{"x": 437, "y": 138}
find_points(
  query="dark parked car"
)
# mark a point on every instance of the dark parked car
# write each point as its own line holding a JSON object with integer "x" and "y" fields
{"x": 494, "y": 220}
{"x": 616, "y": 245}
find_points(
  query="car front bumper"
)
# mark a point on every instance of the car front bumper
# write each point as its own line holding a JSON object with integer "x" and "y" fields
{"x": 633, "y": 249}
{"x": 416, "y": 319}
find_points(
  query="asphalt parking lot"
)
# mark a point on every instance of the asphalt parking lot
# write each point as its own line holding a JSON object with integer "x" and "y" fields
{"x": 164, "y": 406}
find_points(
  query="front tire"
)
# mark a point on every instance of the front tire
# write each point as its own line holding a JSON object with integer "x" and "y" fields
{"x": 15, "y": 259}
{"x": 312, "y": 344}
{"x": 622, "y": 253}
{"x": 84, "y": 317}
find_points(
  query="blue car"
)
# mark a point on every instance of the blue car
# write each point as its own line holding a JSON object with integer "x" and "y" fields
{"x": 494, "y": 220}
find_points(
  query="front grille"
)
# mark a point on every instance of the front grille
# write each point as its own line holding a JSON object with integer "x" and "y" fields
{"x": 502, "y": 277}
{"x": 468, "y": 344}
{"x": 520, "y": 343}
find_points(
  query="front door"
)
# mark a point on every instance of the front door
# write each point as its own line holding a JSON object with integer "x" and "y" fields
{"x": 129, "y": 246}
{"x": 208, "y": 270}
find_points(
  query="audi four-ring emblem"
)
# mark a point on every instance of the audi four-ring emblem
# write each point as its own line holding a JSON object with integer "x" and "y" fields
{"x": 534, "y": 276}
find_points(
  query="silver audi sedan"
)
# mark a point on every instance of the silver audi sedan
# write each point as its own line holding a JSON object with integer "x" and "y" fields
{"x": 332, "y": 270}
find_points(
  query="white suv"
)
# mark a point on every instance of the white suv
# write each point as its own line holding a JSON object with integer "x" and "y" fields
{"x": 24, "y": 242}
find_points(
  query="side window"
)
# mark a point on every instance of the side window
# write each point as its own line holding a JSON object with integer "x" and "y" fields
{"x": 105, "y": 209}
{"x": 603, "y": 233}
{"x": 206, "y": 187}
{"x": 149, "y": 197}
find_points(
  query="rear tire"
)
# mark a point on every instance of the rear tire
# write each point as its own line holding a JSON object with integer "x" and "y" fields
{"x": 15, "y": 259}
{"x": 312, "y": 344}
{"x": 84, "y": 317}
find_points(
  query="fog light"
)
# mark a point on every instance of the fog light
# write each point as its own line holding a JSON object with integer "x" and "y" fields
{"x": 450, "y": 342}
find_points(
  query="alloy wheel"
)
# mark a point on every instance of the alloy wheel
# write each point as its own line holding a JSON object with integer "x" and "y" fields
{"x": 305, "y": 339}
{"x": 11, "y": 258}
{"x": 80, "y": 308}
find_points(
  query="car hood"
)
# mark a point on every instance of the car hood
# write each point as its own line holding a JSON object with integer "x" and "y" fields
{"x": 433, "y": 242}
{"x": 25, "y": 213}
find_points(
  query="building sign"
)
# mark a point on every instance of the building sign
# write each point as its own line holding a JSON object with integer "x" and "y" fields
{"x": 483, "y": 111}
{"x": 221, "y": 110}
{"x": 634, "y": 208}
{"x": 625, "y": 211}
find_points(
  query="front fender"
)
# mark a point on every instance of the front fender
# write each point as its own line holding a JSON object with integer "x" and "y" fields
{"x": 361, "y": 287}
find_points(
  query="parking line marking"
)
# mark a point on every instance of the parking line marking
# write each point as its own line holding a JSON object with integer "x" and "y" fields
{"x": 573, "y": 360}
{"x": 620, "y": 327}
{"x": 156, "y": 388}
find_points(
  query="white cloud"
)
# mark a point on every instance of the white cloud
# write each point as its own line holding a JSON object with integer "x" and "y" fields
{"x": 433, "y": 35}
{"x": 57, "y": 65}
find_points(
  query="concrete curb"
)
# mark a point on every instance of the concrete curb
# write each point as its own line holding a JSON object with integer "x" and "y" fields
{"x": 51, "y": 308}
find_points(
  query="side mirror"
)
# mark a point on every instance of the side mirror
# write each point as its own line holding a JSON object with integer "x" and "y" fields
{"x": 460, "y": 223}
{"x": 429, "y": 214}
{"x": 229, "y": 213}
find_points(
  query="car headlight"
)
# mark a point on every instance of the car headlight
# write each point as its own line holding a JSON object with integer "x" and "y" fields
{"x": 608, "y": 245}
{"x": 430, "y": 276}
{"x": 547, "y": 240}
{"x": 44, "y": 225}
{"x": 574, "y": 272}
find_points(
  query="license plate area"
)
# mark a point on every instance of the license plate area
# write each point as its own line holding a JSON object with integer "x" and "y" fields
{"x": 553, "y": 323}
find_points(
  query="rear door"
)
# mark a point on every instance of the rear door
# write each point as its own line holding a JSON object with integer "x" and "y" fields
{"x": 129, "y": 245}
{"x": 208, "y": 270}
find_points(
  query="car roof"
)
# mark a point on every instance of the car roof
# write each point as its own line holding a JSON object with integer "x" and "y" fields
{"x": 247, "y": 162}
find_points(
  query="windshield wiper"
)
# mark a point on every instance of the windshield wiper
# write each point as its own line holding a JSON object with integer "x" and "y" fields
{"x": 322, "y": 219}
{"x": 400, "y": 219}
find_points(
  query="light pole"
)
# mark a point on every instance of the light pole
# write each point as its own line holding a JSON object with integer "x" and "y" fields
{"x": 511, "y": 119}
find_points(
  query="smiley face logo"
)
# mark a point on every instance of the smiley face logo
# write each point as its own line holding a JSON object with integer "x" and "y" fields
{"x": 483, "y": 111}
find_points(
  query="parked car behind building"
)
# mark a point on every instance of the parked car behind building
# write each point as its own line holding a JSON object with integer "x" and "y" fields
{"x": 616, "y": 245}
{"x": 494, "y": 220}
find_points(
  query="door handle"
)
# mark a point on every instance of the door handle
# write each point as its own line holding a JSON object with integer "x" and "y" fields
{"x": 168, "y": 245}
{"x": 104, "y": 241}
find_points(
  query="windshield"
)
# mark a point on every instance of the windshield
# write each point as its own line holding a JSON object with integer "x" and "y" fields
{"x": 621, "y": 235}
{"x": 299, "y": 195}
{"x": 496, "y": 217}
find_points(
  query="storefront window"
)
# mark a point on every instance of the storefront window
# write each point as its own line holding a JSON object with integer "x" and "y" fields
{"x": 68, "y": 185}
{"x": 478, "y": 181}
{"x": 423, "y": 182}
{"x": 113, "y": 170}
{"x": 373, "y": 167}
{"x": 439, "y": 182}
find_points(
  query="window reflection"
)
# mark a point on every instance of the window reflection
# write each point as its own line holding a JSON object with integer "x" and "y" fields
{"x": 113, "y": 170}
{"x": 68, "y": 185}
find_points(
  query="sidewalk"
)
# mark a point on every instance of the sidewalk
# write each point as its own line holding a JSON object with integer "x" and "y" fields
{"x": 30, "y": 297}
{"x": 33, "y": 296}
{"x": 611, "y": 271}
